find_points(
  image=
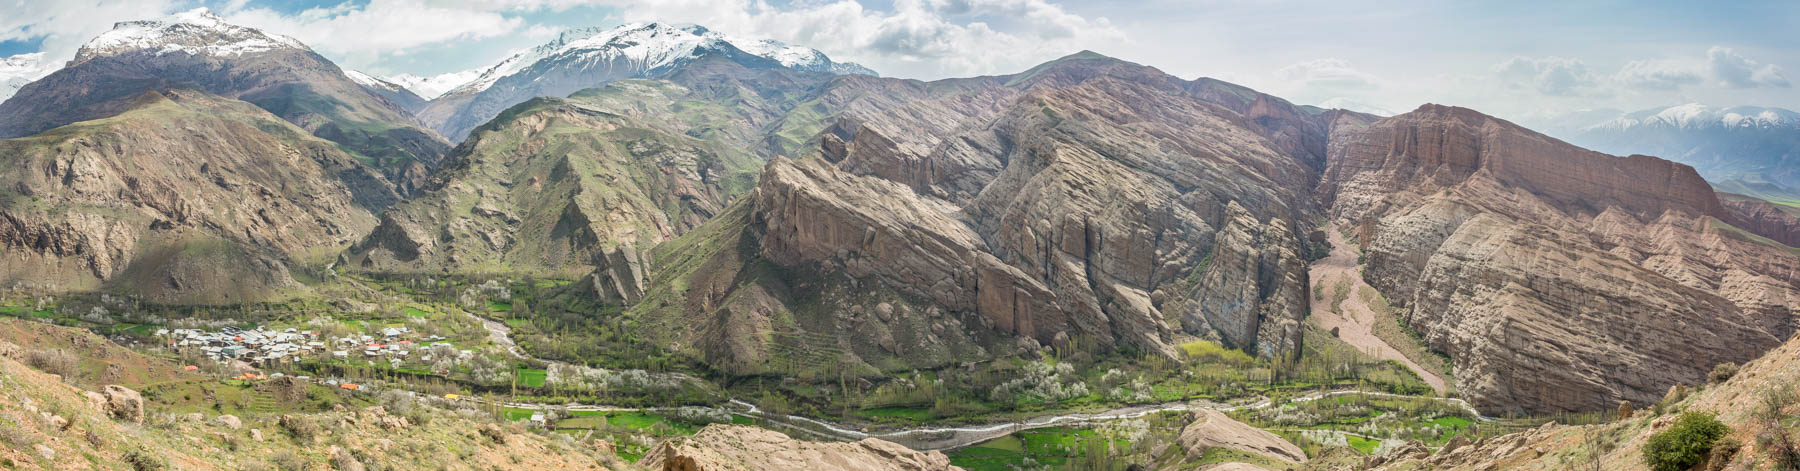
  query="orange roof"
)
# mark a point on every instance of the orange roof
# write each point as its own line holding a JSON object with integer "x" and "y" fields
{"x": 190, "y": 368}
{"x": 348, "y": 386}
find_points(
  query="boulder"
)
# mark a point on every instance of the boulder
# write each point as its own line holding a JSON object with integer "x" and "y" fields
{"x": 119, "y": 402}
{"x": 734, "y": 447}
{"x": 1213, "y": 429}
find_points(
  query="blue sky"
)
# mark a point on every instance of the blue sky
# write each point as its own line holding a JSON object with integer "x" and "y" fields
{"x": 1523, "y": 60}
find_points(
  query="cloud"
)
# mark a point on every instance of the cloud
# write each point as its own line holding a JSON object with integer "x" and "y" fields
{"x": 1328, "y": 73}
{"x": 64, "y": 26}
{"x": 1660, "y": 74}
{"x": 1552, "y": 76}
{"x": 1736, "y": 71}
{"x": 1331, "y": 82}
{"x": 381, "y": 27}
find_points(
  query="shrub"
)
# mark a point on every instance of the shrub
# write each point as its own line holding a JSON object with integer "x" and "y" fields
{"x": 288, "y": 461}
{"x": 300, "y": 428}
{"x": 1723, "y": 372}
{"x": 144, "y": 460}
{"x": 56, "y": 362}
{"x": 1684, "y": 444}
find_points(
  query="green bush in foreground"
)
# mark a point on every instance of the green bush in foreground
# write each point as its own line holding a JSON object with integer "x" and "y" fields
{"x": 1684, "y": 444}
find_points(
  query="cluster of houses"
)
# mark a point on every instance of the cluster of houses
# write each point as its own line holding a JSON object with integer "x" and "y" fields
{"x": 256, "y": 346}
{"x": 264, "y": 347}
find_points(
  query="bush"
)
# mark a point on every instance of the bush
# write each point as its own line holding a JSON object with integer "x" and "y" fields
{"x": 300, "y": 428}
{"x": 1684, "y": 444}
{"x": 144, "y": 460}
{"x": 1723, "y": 372}
{"x": 56, "y": 362}
{"x": 288, "y": 461}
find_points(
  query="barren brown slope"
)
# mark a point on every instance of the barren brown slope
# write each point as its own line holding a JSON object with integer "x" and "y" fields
{"x": 186, "y": 197}
{"x": 1558, "y": 279}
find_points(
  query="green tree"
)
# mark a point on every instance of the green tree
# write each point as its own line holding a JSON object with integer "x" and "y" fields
{"x": 1684, "y": 444}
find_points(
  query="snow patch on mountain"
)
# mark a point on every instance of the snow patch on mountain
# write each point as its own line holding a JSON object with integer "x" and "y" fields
{"x": 370, "y": 81}
{"x": 436, "y": 85}
{"x": 193, "y": 32}
{"x": 18, "y": 70}
{"x": 1695, "y": 116}
{"x": 651, "y": 46}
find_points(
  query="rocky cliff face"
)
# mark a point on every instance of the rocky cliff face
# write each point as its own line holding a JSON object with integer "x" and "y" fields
{"x": 186, "y": 197}
{"x": 1776, "y": 222}
{"x": 1089, "y": 202}
{"x": 1556, "y": 278}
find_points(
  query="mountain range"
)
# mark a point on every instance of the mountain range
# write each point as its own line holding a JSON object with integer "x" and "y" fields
{"x": 771, "y": 219}
{"x": 1738, "y": 148}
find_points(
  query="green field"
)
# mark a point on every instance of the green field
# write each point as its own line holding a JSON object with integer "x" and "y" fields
{"x": 915, "y": 414}
{"x": 1052, "y": 447}
{"x": 531, "y": 377}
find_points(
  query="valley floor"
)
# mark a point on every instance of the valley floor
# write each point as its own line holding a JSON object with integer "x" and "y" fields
{"x": 1341, "y": 302}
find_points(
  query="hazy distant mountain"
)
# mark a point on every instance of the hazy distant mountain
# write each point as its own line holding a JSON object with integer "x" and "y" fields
{"x": 591, "y": 57}
{"x": 1749, "y": 143}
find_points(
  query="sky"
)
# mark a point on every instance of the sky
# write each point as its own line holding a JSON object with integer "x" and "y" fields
{"x": 1527, "y": 61}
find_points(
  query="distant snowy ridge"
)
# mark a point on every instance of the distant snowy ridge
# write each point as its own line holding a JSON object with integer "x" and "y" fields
{"x": 434, "y": 86}
{"x": 194, "y": 32}
{"x": 1695, "y": 116}
{"x": 16, "y": 71}
{"x": 650, "y": 46}
{"x": 371, "y": 81}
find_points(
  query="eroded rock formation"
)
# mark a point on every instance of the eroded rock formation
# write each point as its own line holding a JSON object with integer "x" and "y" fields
{"x": 1556, "y": 278}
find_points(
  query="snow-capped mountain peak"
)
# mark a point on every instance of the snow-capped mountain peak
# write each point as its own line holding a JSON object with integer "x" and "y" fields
{"x": 194, "y": 32}
{"x": 1696, "y": 116}
{"x": 652, "y": 46}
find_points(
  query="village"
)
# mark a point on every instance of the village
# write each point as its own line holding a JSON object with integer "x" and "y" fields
{"x": 265, "y": 348}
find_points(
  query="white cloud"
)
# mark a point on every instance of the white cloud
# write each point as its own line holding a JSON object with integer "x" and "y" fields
{"x": 1660, "y": 74}
{"x": 65, "y": 25}
{"x": 1736, "y": 71}
{"x": 1331, "y": 82}
{"x": 1328, "y": 73}
{"x": 381, "y": 27}
{"x": 1553, "y": 76}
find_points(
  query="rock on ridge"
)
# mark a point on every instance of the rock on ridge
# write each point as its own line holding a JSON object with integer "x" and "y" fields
{"x": 738, "y": 447}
